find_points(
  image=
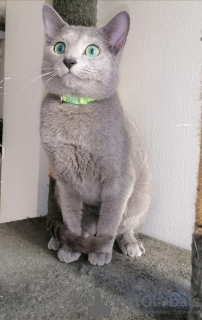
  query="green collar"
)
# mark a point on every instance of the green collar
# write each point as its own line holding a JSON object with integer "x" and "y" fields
{"x": 75, "y": 100}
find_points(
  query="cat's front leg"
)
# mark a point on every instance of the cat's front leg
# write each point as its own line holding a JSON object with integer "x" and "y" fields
{"x": 114, "y": 201}
{"x": 71, "y": 205}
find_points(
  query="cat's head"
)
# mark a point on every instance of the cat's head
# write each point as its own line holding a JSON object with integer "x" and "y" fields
{"x": 82, "y": 61}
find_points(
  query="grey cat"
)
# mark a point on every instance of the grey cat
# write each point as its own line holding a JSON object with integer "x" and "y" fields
{"x": 104, "y": 184}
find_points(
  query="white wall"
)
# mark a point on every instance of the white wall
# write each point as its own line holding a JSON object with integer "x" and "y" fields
{"x": 25, "y": 168}
{"x": 160, "y": 87}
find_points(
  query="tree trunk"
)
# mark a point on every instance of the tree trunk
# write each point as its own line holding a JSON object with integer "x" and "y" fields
{"x": 77, "y": 12}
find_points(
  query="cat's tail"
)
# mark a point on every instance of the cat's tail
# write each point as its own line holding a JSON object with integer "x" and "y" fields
{"x": 77, "y": 243}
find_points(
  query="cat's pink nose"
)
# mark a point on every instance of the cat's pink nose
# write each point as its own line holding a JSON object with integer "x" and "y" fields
{"x": 69, "y": 62}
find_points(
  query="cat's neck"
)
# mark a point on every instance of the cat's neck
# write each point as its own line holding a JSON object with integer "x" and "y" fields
{"x": 76, "y": 100}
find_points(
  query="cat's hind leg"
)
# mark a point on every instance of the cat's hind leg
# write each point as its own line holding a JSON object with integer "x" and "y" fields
{"x": 54, "y": 215}
{"x": 129, "y": 245}
{"x": 89, "y": 220}
{"x": 135, "y": 215}
{"x": 64, "y": 253}
{"x": 54, "y": 244}
{"x": 55, "y": 222}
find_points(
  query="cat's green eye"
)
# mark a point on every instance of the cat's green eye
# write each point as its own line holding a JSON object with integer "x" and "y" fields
{"x": 60, "y": 48}
{"x": 92, "y": 51}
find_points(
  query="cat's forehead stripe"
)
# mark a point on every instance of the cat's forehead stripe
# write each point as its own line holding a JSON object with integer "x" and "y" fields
{"x": 70, "y": 36}
{"x": 80, "y": 39}
{"x": 76, "y": 34}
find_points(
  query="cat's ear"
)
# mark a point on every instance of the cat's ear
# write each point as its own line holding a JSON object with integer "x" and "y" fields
{"x": 116, "y": 30}
{"x": 53, "y": 23}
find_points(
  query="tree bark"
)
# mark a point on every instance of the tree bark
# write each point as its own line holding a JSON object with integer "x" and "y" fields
{"x": 77, "y": 12}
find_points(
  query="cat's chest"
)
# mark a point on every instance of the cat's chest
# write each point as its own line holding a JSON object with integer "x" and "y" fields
{"x": 77, "y": 166}
{"x": 66, "y": 127}
{"x": 72, "y": 144}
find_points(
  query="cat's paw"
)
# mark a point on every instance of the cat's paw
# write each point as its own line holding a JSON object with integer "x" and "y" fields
{"x": 54, "y": 244}
{"x": 67, "y": 255}
{"x": 134, "y": 249}
{"x": 99, "y": 258}
{"x": 85, "y": 234}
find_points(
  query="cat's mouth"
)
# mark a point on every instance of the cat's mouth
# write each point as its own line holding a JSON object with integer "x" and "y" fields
{"x": 70, "y": 75}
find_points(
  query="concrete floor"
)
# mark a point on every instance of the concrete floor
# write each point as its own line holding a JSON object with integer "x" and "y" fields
{"x": 34, "y": 284}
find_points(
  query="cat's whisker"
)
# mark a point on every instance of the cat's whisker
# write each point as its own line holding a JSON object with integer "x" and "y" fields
{"x": 49, "y": 79}
{"x": 40, "y": 88}
{"x": 36, "y": 78}
{"x": 42, "y": 75}
{"x": 41, "y": 69}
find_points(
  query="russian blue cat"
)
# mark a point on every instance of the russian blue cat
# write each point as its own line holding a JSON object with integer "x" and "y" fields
{"x": 103, "y": 180}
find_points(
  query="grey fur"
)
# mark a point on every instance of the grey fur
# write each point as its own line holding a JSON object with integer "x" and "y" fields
{"x": 96, "y": 152}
